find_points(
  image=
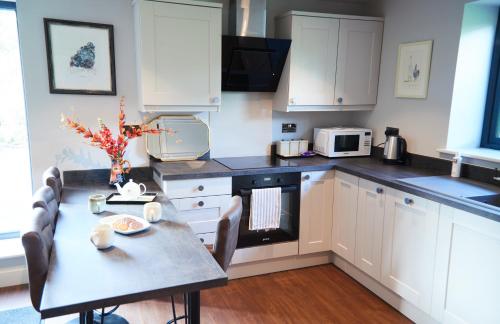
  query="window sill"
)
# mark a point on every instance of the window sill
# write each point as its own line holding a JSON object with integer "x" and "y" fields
{"x": 488, "y": 158}
{"x": 11, "y": 248}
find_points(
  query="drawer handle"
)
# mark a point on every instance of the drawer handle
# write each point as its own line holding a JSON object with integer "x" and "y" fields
{"x": 201, "y": 188}
{"x": 202, "y": 240}
{"x": 408, "y": 201}
{"x": 380, "y": 190}
{"x": 307, "y": 177}
{"x": 201, "y": 203}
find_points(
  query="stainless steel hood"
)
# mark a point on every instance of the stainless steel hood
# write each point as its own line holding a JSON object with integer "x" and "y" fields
{"x": 247, "y": 18}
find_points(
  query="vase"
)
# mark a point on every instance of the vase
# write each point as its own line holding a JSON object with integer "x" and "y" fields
{"x": 119, "y": 170}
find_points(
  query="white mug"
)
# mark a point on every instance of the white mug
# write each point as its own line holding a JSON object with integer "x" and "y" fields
{"x": 102, "y": 236}
{"x": 152, "y": 212}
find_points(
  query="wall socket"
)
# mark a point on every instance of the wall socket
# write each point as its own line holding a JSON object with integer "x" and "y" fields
{"x": 288, "y": 128}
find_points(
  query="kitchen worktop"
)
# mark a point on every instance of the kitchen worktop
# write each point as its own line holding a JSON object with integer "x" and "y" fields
{"x": 426, "y": 181}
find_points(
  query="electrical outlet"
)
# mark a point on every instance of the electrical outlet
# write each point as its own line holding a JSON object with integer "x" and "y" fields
{"x": 288, "y": 128}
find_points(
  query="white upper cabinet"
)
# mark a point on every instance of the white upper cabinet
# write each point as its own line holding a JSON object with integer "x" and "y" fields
{"x": 179, "y": 55}
{"x": 345, "y": 205}
{"x": 316, "y": 208}
{"x": 333, "y": 62}
{"x": 369, "y": 227}
{"x": 467, "y": 280}
{"x": 313, "y": 60}
{"x": 358, "y": 62}
{"x": 409, "y": 247}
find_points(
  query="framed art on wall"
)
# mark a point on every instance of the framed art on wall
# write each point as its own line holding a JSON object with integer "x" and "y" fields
{"x": 80, "y": 57}
{"x": 413, "y": 69}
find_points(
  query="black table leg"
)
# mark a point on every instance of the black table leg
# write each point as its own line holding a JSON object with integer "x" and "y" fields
{"x": 89, "y": 317}
{"x": 82, "y": 318}
{"x": 194, "y": 307}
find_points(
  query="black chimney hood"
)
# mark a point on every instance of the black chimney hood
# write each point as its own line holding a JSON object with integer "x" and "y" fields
{"x": 252, "y": 63}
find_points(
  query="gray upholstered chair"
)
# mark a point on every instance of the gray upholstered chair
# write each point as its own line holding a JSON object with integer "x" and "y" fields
{"x": 37, "y": 241}
{"x": 52, "y": 178}
{"x": 45, "y": 198}
{"x": 226, "y": 239}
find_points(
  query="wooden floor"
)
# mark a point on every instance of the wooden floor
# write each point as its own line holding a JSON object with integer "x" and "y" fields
{"x": 322, "y": 294}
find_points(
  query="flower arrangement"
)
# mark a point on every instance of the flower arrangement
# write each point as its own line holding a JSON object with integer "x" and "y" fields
{"x": 114, "y": 147}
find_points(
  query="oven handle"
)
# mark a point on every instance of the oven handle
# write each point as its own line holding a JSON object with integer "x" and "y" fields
{"x": 248, "y": 192}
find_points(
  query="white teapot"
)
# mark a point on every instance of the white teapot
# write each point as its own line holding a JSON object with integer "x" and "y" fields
{"x": 131, "y": 190}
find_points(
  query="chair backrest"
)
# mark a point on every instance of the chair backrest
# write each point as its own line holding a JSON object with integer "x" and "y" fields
{"x": 227, "y": 233}
{"x": 45, "y": 198}
{"x": 52, "y": 178}
{"x": 37, "y": 241}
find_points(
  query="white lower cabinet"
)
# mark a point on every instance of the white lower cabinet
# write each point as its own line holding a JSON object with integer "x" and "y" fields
{"x": 316, "y": 208}
{"x": 369, "y": 227}
{"x": 409, "y": 246}
{"x": 345, "y": 205}
{"x": 467, "y": 276}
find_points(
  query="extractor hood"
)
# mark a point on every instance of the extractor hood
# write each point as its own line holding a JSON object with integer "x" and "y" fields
{"x": 251, "y": 62}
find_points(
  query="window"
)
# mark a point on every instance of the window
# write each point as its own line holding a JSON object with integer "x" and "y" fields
{"x": 491, "y": 125}
{"x": 15, "y": 191}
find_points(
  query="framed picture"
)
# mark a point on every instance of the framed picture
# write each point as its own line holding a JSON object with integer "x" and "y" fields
{"x": 413, "y": 69}
{"x": 80, "y": 57}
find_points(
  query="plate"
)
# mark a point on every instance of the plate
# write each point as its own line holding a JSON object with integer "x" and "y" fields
{"x": 126, "y": 219}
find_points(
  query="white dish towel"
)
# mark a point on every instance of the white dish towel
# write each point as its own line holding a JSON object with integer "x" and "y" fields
{"x": 265, "y": 208}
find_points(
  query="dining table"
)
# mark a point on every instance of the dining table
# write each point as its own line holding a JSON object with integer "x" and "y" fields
{"x": 164, "y": 260}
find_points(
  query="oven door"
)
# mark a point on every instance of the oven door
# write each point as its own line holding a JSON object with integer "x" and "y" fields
{"x": 347, "y": 143}
{"x": 289, "y": 220}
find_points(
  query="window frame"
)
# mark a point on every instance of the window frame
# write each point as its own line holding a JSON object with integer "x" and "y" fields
{"x": 492, "y": 108}
{"x": 7, "y": 5}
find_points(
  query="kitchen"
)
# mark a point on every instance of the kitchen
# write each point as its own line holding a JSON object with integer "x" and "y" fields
{"x": 402, "y": 234}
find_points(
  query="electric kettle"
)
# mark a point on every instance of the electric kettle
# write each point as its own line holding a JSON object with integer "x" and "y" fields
{"x": 395, "y": 146}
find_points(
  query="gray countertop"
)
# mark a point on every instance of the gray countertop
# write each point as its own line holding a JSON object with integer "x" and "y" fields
{"x": 426, "y": 182}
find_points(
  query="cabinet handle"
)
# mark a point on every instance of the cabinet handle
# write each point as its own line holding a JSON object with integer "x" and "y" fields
{"x": 215, "y": 100}
{"x": 291, "y": 101}
{"x": 380, "y": 190}
{"x": 201, "y": 188}
{"x": 201, "y": 203}
{"x": 339, "y": 99}
{"x": 307, "y": 177}
{"x": 408, "y": 201}
{"x": 202, "y": 240}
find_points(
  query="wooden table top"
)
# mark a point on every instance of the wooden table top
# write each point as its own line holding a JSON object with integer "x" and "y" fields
{"x": 164, "y": 260}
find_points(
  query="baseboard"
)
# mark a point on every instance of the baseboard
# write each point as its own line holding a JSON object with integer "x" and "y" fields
{"x": 279, "y": 264}
{"x": 13, "y": 276}
{"x": 404, "y": 307}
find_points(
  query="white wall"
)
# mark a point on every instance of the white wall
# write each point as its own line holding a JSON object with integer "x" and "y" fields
{"x": 49, "y": 143}
{"x": 423, "y": 122}
{"x": 472, "y": 76}
{"x": 244, "y": 127}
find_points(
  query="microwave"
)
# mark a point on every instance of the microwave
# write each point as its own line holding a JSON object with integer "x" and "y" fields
{"x": 342, "y": 141}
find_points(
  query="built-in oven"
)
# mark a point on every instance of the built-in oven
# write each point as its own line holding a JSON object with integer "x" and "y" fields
{"x": 290, "y": 208}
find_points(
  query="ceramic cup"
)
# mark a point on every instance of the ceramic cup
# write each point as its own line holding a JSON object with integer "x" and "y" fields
{"x": 102, "y": 236}
{"x": 96, "y": 203}
{"x": 152, "y": 212}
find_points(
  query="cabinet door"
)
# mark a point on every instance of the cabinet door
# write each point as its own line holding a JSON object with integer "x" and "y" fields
{"x": 312, "y": 60}
{"x": 409, "y": 246}
{"x": 345, "y": 205}
{"x": 181, "y": 54}
{"x": 360, "y": 44}
{"x": 316, "y": 208}
{"x": 369, "y": 227}
{"x": 467, "y": 281}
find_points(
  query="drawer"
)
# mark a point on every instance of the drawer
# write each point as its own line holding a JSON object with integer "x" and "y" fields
{"x": 207, "y": 238}
{"x": 204, "y": 226}
{"x": 197, "y": 187}
{"x": 199, "y": 215}
{"x": 201, "y": 202}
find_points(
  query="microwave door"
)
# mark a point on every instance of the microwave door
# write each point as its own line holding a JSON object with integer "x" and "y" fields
{"x": 347, "y": 143}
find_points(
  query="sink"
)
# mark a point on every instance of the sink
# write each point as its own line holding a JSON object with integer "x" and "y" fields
{"x": 493, "y": 200}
